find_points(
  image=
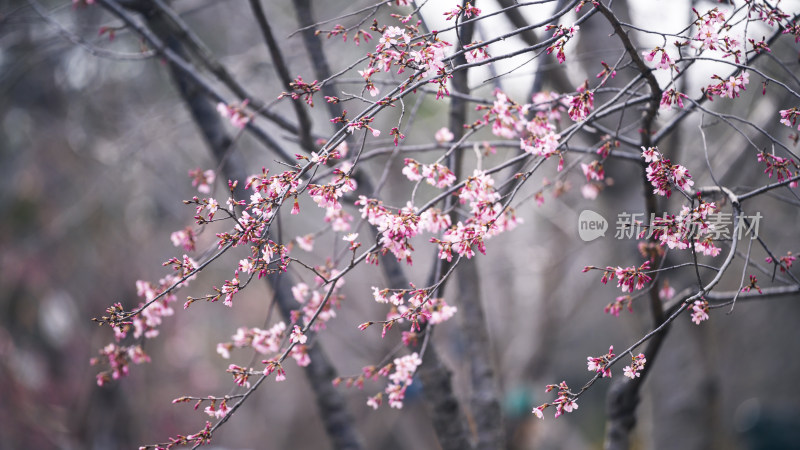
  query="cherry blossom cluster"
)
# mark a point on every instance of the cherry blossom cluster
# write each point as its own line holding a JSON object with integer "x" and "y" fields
{"x": 241, "y": 375}
{"x": 616, "y": 306}
{"x": 509, "y": 120}
{"x": 273, "y": 365}
{"x": 541, "y": 138}
{"x": 395, "y": 229}
{"x": 418, "y": 308}
{"x": 728, "y": 88}
{"x": 312, "y": 299}
{"x": 202, "y": 180}
{"x": 236, "y": 113}
{"x": 712, "y": 34}
{"x": 476, "y": 52}
{"x": 118, "y": 358}
{"x": 607, "y": 71}
{"x": 327, "y": 196}
{"x": 784, "y": 262}
{"x": 202, "y": 437}
{"x": 759, "y": 46}
{"x": 593, "y": 171}
{"x": 670, "y": 97}
{"x": 768, "y": 14}
{"x": 363, "y": 124}
{"x": 146, "y": 324}
{"x": 753, "y": 285}
{"x": 565, "y": 402}
{"x": 779, "y": 166}
{"x": 206, "y": 204}
{"x": 488, "y": 219}
{"x": 218, "y": 412}
{"x": 582, "y": 104}
{"x": 185, "y": 238}
{"x": 600, "y": 364}
{"x": 662, "y": 174}
{"x": 628, "y": 278}
{"x": 400, "y": 47}
{"x": 792, "y": 28}
{"x": 708, "y": 27}
{"x": 367, "y": 373}
{"x": 264, "y": 342}
{"x": 151, "y": 311}
{"x": 506, "y": 116}
{"x": 434, "y": 174}
{"x": 400, "y": 379}
{"x": 789, "y": 116}
{"x": 467, "y": 11}
{"x": 664, "y": 63}
{"x": 699, "y": 311}
{"x": 690, "y": 226}
{"x": 565, "y": 34}
{"x": 637, "y": 366}
{"x": 269, "y": 192}
{"x": 212, "y": 409}
{"x": 443, "y": 135}
{"x": 301, "y": 89}
{"x": 340, "y": 30}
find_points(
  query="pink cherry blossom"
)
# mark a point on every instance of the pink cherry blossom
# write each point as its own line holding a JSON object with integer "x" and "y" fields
{"x": 699, "y": 311}
{"x": 633, "y": 371}
{"x": 443, "y": 135}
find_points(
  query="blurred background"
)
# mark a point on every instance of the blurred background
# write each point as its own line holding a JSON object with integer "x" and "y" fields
{"x": 94, "y": 155}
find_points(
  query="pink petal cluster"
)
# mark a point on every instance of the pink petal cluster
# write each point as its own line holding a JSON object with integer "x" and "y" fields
{"x": 789, "y": 117}
{"x": 670, "y": 97}
{"x": 476, "y": 53}
{"x": 312, "y": 299}
{"x": 488, "y": 219}
{"x": 628, "y": 278}
{"x": 401, "y": 378}
{"x": 689, "y": 227}
{"x": 699, "y": 311}
{"x": 202, "y": 180}
{"x": 728, "y": 88}
{"x": 581, "y": 105}
{"x": 600, "y": 364}
{"x": 779, "y": 166}
{"x": 662, "y": 174}
{"x": 708, "y": 28}
{"x": 565, "y": 402}
{"x": 434, "y": 174}
{"x": 664, "y": 63}
{"x": 235, "y": 113}
{"x": 633, "y": 371}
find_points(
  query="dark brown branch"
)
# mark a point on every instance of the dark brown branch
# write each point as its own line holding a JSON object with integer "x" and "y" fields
{"x": 304, "y": 131}
{"x": 319, "y": 61}
{"x": 445, "y": 411}
{"x": 484, "y": 403}
{"x": 337, "y": 419}
{"x": 557, "y": 78}
{"x": 187, "y": 69}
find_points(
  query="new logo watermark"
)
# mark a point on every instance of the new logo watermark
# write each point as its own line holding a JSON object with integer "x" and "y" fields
{"x": 591, "y": 225}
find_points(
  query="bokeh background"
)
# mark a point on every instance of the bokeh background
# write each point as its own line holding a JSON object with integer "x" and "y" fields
{"x": 94, "y": 155}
